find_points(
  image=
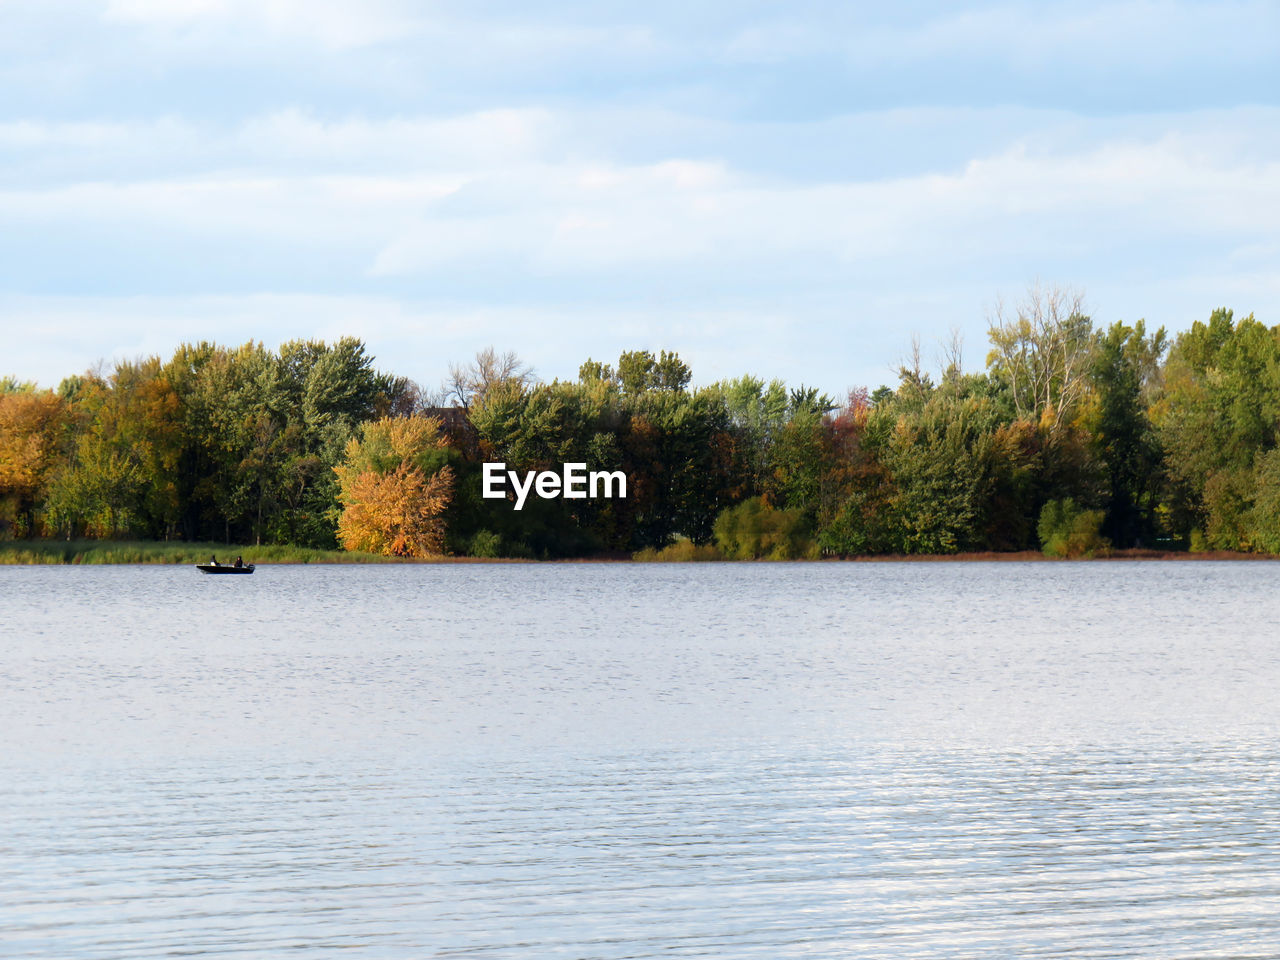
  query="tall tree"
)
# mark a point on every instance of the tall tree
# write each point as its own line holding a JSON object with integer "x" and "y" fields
{"x": 1218, "y": 421}
{"x": 1043, "y": 354}
{"x": 1122, "y": 434}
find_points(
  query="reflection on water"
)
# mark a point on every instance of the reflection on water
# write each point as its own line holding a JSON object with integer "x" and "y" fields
{"x": 830, "y": 760}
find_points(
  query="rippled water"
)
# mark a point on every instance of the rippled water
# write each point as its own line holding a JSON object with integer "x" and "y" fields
{"x": 830, "y": 760}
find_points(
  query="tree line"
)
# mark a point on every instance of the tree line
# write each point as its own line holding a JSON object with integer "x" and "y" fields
{"x": 1074, "y": 438}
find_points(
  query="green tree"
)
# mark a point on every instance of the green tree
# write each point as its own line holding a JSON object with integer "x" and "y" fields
{"x": 1122, "y": 436}
{"x": 640, "y": 370}
{"x": 118, "y": 477}
{"x": 757, "y": 414}
{"x": 1218, "y": 418}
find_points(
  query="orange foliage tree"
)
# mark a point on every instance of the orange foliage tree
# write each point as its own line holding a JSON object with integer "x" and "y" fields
{"x": 32, "y": 424}
{"x": 395, "y": 485}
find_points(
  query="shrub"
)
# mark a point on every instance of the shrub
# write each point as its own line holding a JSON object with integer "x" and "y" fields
{"x": 485, "y": 544}
{"x": 1228, "y": 496}
{"x": 753, "y": 530}
{"x": 1264, "y": 515}
{"x": 1070, "y": 531}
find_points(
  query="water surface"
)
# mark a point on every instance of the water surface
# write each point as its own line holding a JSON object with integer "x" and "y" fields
{"x": 606, "y": 760}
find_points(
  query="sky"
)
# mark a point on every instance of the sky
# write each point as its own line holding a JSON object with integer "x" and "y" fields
{"x": 788, "y": 190}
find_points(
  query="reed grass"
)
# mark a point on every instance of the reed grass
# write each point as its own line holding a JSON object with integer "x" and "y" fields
{"x": 682, "y": 551}
{"x": 144, "y": 551}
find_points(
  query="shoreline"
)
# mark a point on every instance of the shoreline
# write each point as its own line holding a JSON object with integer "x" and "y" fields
{"x": 1028, "y": 556}
{"x": 162, "y": 553}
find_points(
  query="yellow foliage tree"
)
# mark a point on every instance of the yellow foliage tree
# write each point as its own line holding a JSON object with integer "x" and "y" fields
{"x": 31, "y": 425}
{"x": 395, "y": 488}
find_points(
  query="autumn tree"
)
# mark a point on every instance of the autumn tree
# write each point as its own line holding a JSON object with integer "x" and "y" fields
{"x": 32, "y": 427}
{"x": 853, "y": 511}
{"x": 395, "y": 484}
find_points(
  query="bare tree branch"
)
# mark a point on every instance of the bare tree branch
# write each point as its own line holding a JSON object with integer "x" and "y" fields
{"x": 468, "y": 383}
{"x": 1043, "y": 352}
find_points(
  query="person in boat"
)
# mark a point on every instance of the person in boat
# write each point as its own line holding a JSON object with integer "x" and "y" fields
{"x": 239, "y": 562}
{"x": 213, "y": 560}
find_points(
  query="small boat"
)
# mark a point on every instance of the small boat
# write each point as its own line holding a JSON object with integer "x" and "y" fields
{"x": 224, "y": 568}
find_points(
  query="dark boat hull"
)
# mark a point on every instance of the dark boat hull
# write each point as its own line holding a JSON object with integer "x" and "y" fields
{"x": 223, "y": 568}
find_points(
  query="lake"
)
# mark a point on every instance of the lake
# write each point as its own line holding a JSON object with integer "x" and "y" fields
{"x": 907, "y": 760}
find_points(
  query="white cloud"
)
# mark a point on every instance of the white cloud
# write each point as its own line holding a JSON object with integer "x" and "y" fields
{"x": 30, "y": 135}
{"x": 534, "y": 180}
{"x": 569, "y": 220}
{"x": 777, "y": 42}
{"x": 431, "y": 34}
{"x": 552, "y": 240}
{"x": 333, "y": 23}
{"x": 320, "y": 210}
{"x": 1044, "y": 38}
{"x": 481, "y": 139}
{"x": 509, "y": 194}
{"x": 1128, "y": 34}
{"x": 281, "y": 143}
